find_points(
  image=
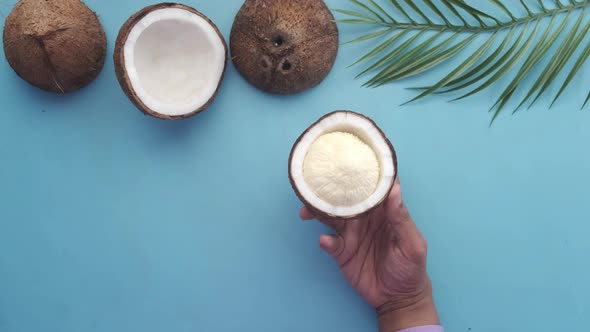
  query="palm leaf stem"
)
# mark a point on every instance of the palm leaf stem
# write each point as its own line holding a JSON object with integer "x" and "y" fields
{"x": 495, "y": 27}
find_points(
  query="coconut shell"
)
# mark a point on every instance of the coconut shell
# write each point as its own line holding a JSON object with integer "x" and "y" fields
{"x": 56, "y": 45}
{"x": 322, "y": 214}
{"x": 119, "y": 59}
{"x": 284, "y": 46}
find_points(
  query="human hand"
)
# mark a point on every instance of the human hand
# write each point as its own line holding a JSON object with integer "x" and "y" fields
{"x": 383, "y": 256}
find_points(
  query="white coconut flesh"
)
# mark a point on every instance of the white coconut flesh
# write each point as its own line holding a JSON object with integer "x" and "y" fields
{"x": 343, "y": 165}
{"x": 174, "y": 60}
{"x": 341, "y": 169}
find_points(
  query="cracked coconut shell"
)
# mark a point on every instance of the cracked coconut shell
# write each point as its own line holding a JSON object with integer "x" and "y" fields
{"x": 56, "y": 45}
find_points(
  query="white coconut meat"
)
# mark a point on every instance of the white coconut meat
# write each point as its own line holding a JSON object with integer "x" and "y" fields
{"x": 341, "y": 169}
{"x": 343, "y": 165}
{"x": 175, "y": 60}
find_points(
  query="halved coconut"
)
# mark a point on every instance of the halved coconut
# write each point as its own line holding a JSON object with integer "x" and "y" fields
{"x": 343, "y": 166}
{"x": 56, "y": 45}
{"x": 284, "y": 47}
{"x": 170, "y": 60}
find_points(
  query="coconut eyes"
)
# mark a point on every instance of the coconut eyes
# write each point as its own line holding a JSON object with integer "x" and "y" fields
{"x": 278, "y": 41}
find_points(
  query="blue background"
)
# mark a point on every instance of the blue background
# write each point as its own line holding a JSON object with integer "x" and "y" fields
{"x": 113, "y": 221}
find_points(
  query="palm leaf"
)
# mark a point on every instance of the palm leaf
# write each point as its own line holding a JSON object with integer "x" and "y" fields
{"x": 508, "y": 36}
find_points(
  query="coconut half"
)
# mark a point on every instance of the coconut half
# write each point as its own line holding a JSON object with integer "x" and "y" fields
{"x": 170, "y": 60}
{"x": 284, "y": 47}
{"x": 343, "y": 166}
{"x": 56, "y": 45}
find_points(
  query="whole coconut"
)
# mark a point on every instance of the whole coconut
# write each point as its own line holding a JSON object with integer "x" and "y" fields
{"x": 56, "y": 45}
{"x": 284, "y": 46}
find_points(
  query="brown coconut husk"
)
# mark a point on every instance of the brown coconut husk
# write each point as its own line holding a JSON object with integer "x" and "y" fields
{"x": 56, "y": 45}
{"x": 284, "y": 47}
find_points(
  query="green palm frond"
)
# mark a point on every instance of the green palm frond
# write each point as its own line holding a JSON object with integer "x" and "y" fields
{"x": 417, "y": 35}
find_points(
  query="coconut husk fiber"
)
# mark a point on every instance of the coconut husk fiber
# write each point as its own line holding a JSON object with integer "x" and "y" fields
{"x": 56, "y": 45}
{"x": 284, "y": 47}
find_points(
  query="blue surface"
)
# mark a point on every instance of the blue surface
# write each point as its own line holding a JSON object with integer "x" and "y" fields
{"x": 113, "y": 221}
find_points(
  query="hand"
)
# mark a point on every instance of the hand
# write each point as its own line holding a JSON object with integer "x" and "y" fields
{"x": 383, "y": 256}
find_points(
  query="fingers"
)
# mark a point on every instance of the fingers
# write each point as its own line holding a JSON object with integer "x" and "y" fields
{"x": 332, "y": 244}
{"x": 305, "y": 214}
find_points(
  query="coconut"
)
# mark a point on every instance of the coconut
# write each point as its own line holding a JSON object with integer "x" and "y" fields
{"x": 56, "y": 45}
{"x": 343, "y": 166}
{"x": 284, "y": 47}
{"x": 170, "y": 60}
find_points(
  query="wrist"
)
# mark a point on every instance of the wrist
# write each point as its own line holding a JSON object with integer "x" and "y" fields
{"x": 399, "y": 316}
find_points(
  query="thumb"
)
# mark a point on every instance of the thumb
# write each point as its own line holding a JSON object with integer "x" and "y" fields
{"x": 332, "y": 244}
{"x": 399, "y": 218}
{"x": 395, "y": 208}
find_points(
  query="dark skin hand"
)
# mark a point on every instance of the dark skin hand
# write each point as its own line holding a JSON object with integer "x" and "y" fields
{"x": 383, "y": 256}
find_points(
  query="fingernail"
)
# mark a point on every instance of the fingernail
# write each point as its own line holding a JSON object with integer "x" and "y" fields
{"x": 397, "y": 197}
{"x": 399, "y": 201}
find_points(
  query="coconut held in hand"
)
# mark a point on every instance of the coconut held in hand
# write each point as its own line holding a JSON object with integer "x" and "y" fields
{"x": 284, "y": 47}
{"x": 56, "y": 45}
{"x": 343, "y": 166}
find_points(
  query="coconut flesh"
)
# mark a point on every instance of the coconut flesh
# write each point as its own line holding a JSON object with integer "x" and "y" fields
{"x": 343, "y": 166}
{"x": 170, "y": 60}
